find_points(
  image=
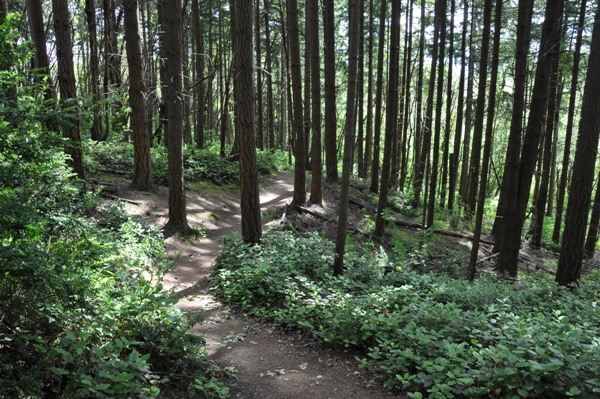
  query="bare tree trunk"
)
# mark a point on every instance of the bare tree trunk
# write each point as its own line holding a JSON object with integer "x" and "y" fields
{"x": 299, "y": 197}
{"x": 142, "y": 170}
{"x": 90, "y": 13}
{"x": 173, "y": 88}
{"x": 438, "y": 110}
{"x": 517, "y": 206}
{"x": 66, "y": 80}
{"x": 244, "y": 97}
{"x": 331, "y": 170}
{"x": 378, "y": 101}
{"x": 580, "y": 191}
{"x": 269, "y": 68}
{"x": 562, "y": 187}
{"x": 340, "y": 243}
{"x": 35, "y": 17}
{"x": 455, "y": 156}
{"x": 259, "y": 81}
{"x": 316, "y": 191}
{"x": 448, "y": 124}
{"x": 390, "y": 117}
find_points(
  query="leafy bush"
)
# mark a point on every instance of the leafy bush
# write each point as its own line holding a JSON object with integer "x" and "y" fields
{"x": 431, "y": 335}
{"x": 82, "y": 313}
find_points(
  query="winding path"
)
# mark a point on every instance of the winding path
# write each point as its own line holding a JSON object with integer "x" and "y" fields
{"x": 269, "y": 363}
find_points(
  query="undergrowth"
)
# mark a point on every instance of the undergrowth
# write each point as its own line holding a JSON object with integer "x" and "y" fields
{"x": 82, "y": 310}
{"x": 116, "y": 157}
{"x": 427, "y": 334}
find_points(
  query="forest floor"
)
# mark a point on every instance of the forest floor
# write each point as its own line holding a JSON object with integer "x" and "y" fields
{"x": 270, "y": 363}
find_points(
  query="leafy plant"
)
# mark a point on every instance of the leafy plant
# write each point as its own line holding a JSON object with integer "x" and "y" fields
{"x": 435, "y": 336}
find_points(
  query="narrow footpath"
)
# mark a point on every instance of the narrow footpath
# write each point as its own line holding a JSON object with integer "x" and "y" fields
{"x": 268, "y": 363}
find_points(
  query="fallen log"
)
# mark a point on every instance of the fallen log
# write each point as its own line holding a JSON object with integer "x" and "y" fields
{"x": 404, "y": 223}
{"x": 114, "y": 197}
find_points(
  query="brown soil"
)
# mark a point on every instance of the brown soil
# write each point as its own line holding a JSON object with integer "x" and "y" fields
{"x": 268, "y": 363}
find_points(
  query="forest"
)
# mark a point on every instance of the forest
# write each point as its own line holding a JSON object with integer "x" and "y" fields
{"x": 443, "y": 214}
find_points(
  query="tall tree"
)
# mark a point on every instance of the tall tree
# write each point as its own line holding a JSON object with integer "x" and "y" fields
{"x": 441, "y": 11}
{"x": 340, "y": 242}
{"x": 35, "y": 17}
{"x": 142, "y": 170}
{"x": 269, "y": 68}
{"x": 480, "y": 110}
{"x": 580, "y": 191}
{"x": 197, "y": 25}
{"x": 90, "y": 14}
{"x": 448, "y": 124}
{"x": 316, "y": 191}
{"x": 66, "y": 81}
{"x": 489, "y": 127}
{"x": 455, "y": 156}
{"x": 539, "y": 206}
{"x": 390, "y": 117}
{"x": 573, "y": 99}
{"x": 378, "y": 101}
{"x": 299, "y": 197}
{"x": 173, "y": 88}
{"x": 259, "y": 80}
{"x": 517, "y": 206}
{"x": 331, "y": 170}
{"x": 509, "y": 184}
{"x": 244, "y": 97}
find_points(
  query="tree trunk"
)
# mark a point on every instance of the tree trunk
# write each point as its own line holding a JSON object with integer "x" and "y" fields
{"x": 488, "y": 134}
{"x": 369, "y": 132}
{"x": 244, "y": 97}
{"x": 360, "y": 94}
{"x": 426, "y": 144}
{"x": 378, "y": 101}
{"x": 539, "y": 207}
{"x": 573, "y": 99}
{"x": 316, "y": 191}
{"x": 580, "y": 191}
{"x": 66, "y": 81}
{"x": 90, "y": 13}
{"x": 592, "y": 236}
{"x": 454, "y": 159}
{"x": 331, "y": 171}
{"x": 390, "y": 117}
{"x": 418, "y": 168}
{"x": 340, "y": 243}
{"x": 197, "y": 24}
{"x": 438, "y": 110}
{"x": 448, "y": 124}
{"x": 511, "y": 168}
{"x": 259, "y": 80}
{"x": 299, "y": 197}
{"x": 517, "y": 206}
{"x": 142, "y": 170}
{"x": 269, "y": 68}
{"x": 480, "y": 110}
{"x": 173, "y": 87}
{"x": 35, "y": 17}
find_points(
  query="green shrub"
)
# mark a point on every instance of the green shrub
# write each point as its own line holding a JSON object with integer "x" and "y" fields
{"x": 434, "y": 336}
{"x": 82, "y": 312}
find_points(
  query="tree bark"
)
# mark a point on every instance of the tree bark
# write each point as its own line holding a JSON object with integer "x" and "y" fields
{"x": 66, "y": 81}
{"x": 340, "y": 243}
{"x": 142, "y": 170}
{"x": 35, "y": 17}
{"x": 173, "y": 88}
{"x": 378, "y": 101}
{"x": 90, "y": 13}
{"x": 244, "y": 97}
{"x": 517, "y": 206}
{"x": 316, "y": 191}
{"x": 390, "y": 117}
{"x": 331, "y": 170}
{"x": 299, "y": 197}
{"x": 573, "y": 99}
{"x": 580, "y": 191}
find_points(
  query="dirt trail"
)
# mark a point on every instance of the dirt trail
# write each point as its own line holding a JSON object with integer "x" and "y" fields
{"x": 269, "y": 363}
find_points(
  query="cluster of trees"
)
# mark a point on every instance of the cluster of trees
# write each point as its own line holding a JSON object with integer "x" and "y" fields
{"x": 470, "y": 97}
